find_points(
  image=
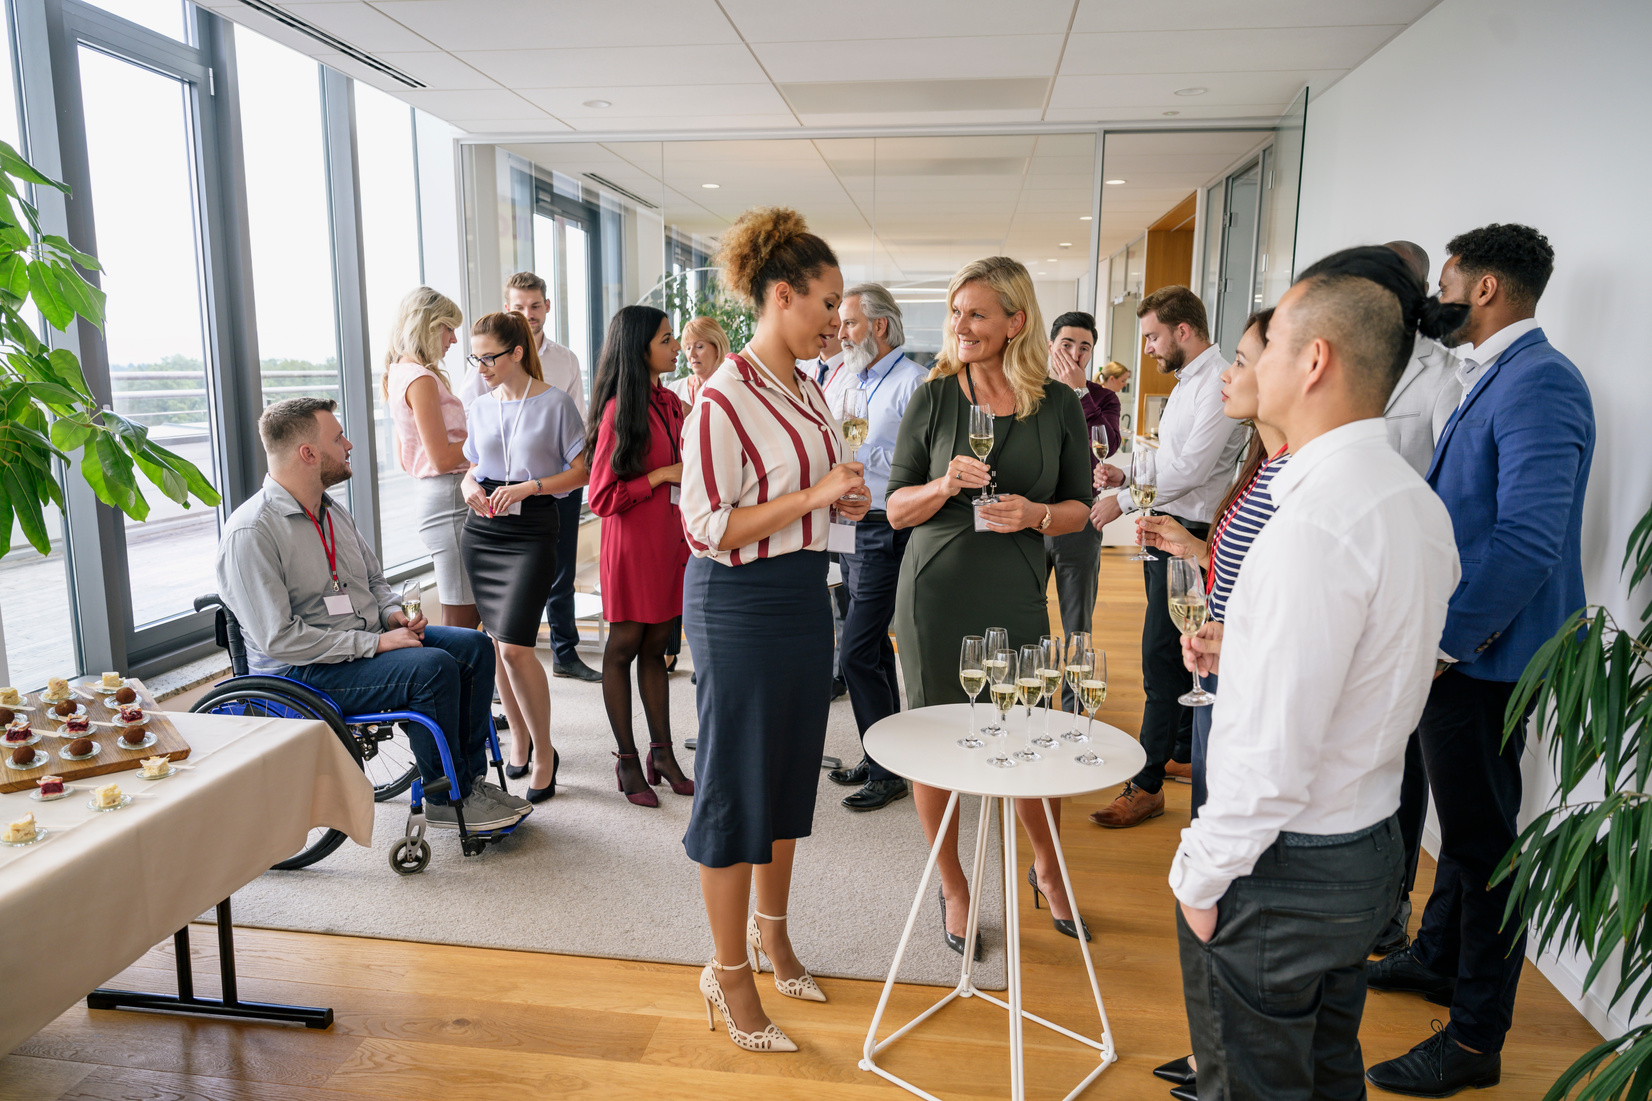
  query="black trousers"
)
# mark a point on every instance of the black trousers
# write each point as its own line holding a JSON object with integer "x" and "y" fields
{"x": 1075, "y": 559}
{"x": 867, "y": 656}
{"x": 840, "y": 608}
{"x": 1274, "y": 1000}
{"x": 1476, "y": 785}
{"x": 1413, "y": 810}
{"x": 1166, "y": 726}
{"x": 559, "y": 606}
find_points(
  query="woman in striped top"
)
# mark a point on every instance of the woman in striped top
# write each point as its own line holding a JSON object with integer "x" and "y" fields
{"x": 761, "y": 471}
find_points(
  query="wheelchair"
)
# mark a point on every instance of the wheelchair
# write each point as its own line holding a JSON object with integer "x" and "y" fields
{"x": 369, "y": 739}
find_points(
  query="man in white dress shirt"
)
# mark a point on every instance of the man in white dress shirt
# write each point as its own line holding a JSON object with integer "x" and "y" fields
{"x": 1290, "y": 870}
{"x": 1198, "y": 451}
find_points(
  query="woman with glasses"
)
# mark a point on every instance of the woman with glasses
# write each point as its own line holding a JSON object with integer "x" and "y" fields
{"x": 526, "y": 445}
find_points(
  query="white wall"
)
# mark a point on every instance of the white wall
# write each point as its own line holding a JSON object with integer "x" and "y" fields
{"x": 1524, "y": 111}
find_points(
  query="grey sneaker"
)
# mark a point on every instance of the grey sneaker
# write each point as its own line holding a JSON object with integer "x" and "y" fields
{"x": 502, "y": 798}
{"x": 481, "y": 813}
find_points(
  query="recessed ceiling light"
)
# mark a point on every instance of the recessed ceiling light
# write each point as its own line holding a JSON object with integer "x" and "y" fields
{"x": 1172, "y": 112}
{"x": 1191, "y": 91}
{"x": 1065, "y": 244}
{"x": 711, "y": 187}
{"x": 1114, "y": 183}
{"x": 1085, "y": 217}
{"x": 597, "y": 103}
{"x": 1040, "y": 273}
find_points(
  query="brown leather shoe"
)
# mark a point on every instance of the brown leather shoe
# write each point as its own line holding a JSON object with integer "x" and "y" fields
{"x": 1179, "y": 771}
{"x": 1133, "y": 807}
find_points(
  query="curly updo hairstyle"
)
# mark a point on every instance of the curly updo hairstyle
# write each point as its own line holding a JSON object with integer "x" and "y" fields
{"x": 769, "y": 245}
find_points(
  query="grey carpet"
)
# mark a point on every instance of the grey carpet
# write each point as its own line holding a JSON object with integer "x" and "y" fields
{"x": 589, "y": 874}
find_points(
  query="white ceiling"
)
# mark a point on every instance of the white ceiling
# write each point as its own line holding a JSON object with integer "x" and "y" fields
{"x": 518, "y": 68}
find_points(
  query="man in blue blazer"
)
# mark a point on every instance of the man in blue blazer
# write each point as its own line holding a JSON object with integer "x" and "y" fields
{"x": 1511, "y": 465}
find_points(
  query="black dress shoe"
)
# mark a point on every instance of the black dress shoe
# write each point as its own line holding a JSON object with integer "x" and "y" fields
{"x": 539, "y": 795}
{"x": 840, "y": 688}
{"x": 1437, "y": 1067}
{"x": 516, "y": 772}
{"x": 851, "y": 777}
{"x": 1189, "y": 1091}
{"x": 1064, "y": 926}
{"x": 1394, "y": 936}
{"x": 1402, "y": 973}
{"x": 577, "y": 670}
{"x": 876, "y": 793}
{"x": 1179, "y": 1071}
{"x": 953, "y": 940}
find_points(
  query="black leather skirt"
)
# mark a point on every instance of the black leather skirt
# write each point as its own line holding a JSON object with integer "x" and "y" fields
{"x": 511, "y": 561}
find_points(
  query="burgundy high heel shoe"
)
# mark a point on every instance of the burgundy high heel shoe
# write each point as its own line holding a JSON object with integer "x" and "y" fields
{"x": 643, "y": 798}
{"x": 652, "y": 774}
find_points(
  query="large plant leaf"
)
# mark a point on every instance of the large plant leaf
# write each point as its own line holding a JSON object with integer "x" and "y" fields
{"x": 19, "y": 487}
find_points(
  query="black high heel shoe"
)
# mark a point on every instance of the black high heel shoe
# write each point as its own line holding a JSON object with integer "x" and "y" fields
{"x": 1063, "y": 926}
{"x": 953, "y": 940}
{"x": 516, "y": 772}
{"x": 539, "y": 795}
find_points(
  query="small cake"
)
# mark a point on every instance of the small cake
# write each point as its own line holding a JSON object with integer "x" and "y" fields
{"x": 19, "y": 732}
{"x": 111, "y": 682}
{"x": 21, "y": 831}
{"x": 80, "y": 747}
{"x": 125, "y": 696}
{"x": 155, "y": 767}
{"x": 7, "y": 716}
{"x": 107, "y": 796}
{"x": 50, "y": 785}
{"x": 64, "y": 708}
{"x": 23, "y": 756}
{"x": 76, "y": 725}
{"x": 11, "y": 697}
{"x": 134, "y": 736}
{"x": 130, "y": 714}
{"x": 56, "y": 689}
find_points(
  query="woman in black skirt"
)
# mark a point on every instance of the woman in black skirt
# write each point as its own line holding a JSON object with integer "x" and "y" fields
{"x": 760, "y": 474}
{"x": 525, "y": 445}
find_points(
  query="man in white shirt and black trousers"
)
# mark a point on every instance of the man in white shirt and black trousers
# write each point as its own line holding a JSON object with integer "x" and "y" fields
{"x": 1290, "y": 870}
{"x": 1198, "y": 451}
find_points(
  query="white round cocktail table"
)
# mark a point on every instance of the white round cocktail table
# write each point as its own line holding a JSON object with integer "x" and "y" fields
{"x": 922, "y": 745}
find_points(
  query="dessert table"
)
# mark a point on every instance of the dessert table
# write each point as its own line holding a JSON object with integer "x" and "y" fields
{"x": 922, "y": 745}
{"x": 102, "y": 888}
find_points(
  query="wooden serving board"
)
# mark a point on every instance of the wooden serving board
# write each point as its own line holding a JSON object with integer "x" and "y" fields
{"x": 112, "y": 756}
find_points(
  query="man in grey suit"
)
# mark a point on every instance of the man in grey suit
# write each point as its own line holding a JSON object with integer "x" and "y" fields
{"x": 1417, "y": 410}
{"x": 1428, "y": 391}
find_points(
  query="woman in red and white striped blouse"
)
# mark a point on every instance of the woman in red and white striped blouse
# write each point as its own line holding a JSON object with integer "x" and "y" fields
{"x": 761, "y": 473}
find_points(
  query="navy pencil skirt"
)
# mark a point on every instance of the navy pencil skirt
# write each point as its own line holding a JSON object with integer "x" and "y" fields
{"x": 761, "y": 635}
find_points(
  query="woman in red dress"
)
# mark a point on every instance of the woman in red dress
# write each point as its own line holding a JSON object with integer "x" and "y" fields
{"x": 634, "y": 450}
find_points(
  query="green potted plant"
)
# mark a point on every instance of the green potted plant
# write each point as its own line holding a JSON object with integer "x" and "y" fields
{"x": 49, "y": 413}
{"x": 1582, "y": 871}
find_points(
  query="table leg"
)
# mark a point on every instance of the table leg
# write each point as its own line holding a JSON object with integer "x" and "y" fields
{"x": 1012, "y": 951}
{"x": 966, "y": 980}
{"x": 1108, "y": 1054}
{"x": 230, "y": 1005}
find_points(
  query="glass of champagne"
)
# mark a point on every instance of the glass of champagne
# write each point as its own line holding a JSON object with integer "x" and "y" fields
{"x": 1144, "y": 478}
{"x": 852, "y": 414}
{"x": 1098, "y": 442}
{"x": 980, "y": 440}
{"x": 1189, "y": 612}
{"x": 1030, "y": 686}
{"x": 1080, "y": 669}
{"x": 1050, "y": 656}
{"x": 1002, "y": 685}
{"x": 411, "y": 601}
{"x": 972, "y": 674}
{"x": 1077, "y": 643}
{"x": 1092, "y": 693}
{"x": 998, "y": 642}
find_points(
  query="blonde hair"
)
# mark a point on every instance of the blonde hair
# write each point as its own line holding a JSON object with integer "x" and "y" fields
{"x": 416, "y": 334}
{"x": 1026, "y": 357}
{"x": 709, "y": 330}
{"x": 1114, "y": 369}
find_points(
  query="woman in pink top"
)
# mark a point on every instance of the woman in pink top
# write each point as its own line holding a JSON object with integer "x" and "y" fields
{"x": 430, "y": 437}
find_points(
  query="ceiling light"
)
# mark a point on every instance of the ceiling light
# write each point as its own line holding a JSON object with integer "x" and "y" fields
{"x": 711, "y": 187}
{"x": 1114, "y": 183}
{"x": 1191, "y": 91}
{"x": 1172, "y": 112}
{"x": 1065, "y": 244}
{"x": 1084, "y": 217}
{"x": 1040, "y": 273}
{"x": 597, "y": 103}
{"x": 1052, "y": 260}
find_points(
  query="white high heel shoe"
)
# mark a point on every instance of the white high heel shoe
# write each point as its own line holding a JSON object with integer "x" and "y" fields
{"x": 804, "y": 987}
{"x": 770, "y": 1039}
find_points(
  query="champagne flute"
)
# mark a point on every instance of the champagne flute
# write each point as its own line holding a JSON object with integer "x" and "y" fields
{"x": 997, "y": 642}
{"x": 1144, "y": 477}
{"x": 1077, "y": 643}
{"x": 411, "y": 600}
{"x": 1092, "y": 693}
{"x": 852, "y": 414}
{"x": 1098, "y": 442}
{"x": 980, "y": 441}
{"x": 1030, "y": 686}
{"x": 972, "y": 674}
{"x": 1050, "y": 672}
{"x": 1189, "y": 611}
{"x": 1081, "y": 664}
{"x": 1003, "y": 688}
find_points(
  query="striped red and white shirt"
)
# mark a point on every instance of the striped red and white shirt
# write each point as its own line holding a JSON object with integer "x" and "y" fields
{"x": 748, "y": 441}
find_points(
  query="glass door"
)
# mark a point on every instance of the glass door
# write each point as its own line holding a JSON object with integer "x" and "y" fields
{"x": 1241, "y": 221}
{"x": 566, "y": 256}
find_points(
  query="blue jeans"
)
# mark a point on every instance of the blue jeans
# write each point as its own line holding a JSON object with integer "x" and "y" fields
{"x": 449, "y": 678}
{"x": 1201, "y": 743}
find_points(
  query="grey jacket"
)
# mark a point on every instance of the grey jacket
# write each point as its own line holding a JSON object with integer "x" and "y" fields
{"x": 1422, "y": 402}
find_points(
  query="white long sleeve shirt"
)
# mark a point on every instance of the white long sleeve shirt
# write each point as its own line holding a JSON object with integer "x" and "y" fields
{"x": 1327, "y": 657}
{"x": 1198, "y": 445}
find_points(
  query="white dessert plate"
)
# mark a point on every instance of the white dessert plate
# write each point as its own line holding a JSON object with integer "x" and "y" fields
{"x": 67, "y": 791}
{"x": 149, "y": 739}
{"x": 40, "y": 759}
{"x": 114, "y": 705}
{"x": 40, "y": 833}
{"x": 125, "y": 801}
{"x": 118, "y": 721}
{"x": 78, "y": 712}
{"x": 34, "y": 736}
{"x": 67, "y": 756}
{"x": 171, "y": 770}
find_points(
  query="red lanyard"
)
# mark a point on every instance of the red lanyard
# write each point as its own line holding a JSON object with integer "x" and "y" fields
{"x": 1233, "y": 511}
{"x": 330, "y": 549}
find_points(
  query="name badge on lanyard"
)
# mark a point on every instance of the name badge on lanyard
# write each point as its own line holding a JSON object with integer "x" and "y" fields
{"x": 336, "y": 600}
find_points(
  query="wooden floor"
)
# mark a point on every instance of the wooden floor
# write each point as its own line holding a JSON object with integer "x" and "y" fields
{"x": 418, "y": 1021}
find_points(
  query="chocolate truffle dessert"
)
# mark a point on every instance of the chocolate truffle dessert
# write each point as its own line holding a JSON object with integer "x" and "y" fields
{"x": 134, "y": 736}
{"x": 22, "y": 755}
{"x": 125, "y": 695}
{"x": 65, "y": 707}
{"x": 80, "y": 747}
{"x": 7, "y": 716}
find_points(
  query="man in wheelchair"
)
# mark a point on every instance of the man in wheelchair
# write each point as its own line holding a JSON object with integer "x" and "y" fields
{"x": 313, "y": 605}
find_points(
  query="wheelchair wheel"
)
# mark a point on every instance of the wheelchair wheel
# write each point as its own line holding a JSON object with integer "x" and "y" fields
{"x": 410, "y": 856}
{"x": 386, "y": 758}
{"x": 262, "y": 697}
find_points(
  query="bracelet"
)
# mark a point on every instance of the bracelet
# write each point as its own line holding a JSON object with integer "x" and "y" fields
{"x": 538, "y": 487}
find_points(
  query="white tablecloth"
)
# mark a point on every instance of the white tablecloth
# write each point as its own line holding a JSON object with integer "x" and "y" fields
{"x": 103, "y": 888}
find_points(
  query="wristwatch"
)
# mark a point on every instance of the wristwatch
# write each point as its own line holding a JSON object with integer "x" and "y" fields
{"x": 1048, "y": 515}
